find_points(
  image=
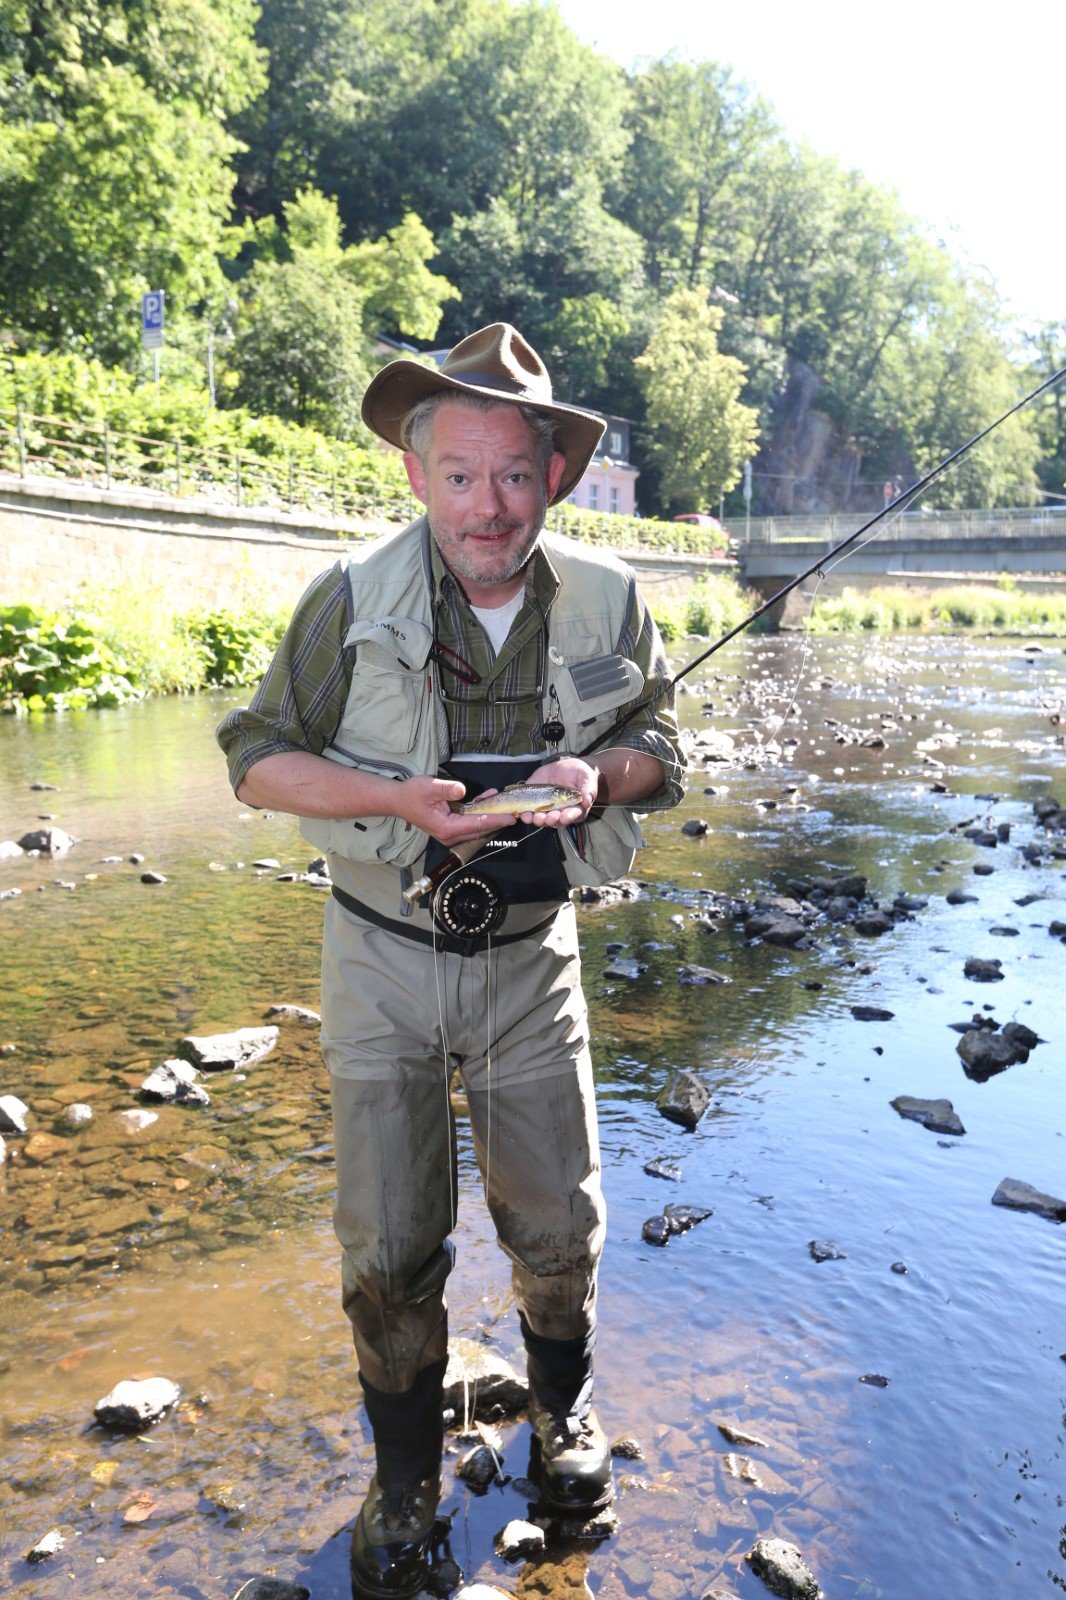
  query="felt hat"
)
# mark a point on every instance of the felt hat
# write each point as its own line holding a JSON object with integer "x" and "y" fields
{"x": 495, "y": 362}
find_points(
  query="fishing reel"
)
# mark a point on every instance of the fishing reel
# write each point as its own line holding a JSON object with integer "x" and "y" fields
{"x": 468, "y": 904}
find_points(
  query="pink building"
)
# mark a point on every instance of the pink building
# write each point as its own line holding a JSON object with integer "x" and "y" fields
{"x": 610, "y": 482}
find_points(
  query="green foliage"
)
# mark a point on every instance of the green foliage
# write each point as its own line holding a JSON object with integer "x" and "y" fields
{"x": 699, "y": 433}
{"x": 236, "y": 649}
{"x": 714, "y": 605}
{"x": 977, "y": 607}
{"x": 636, "y": 533}
{"x": 53, "y": 663}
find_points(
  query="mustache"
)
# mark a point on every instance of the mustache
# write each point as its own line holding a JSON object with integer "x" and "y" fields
{"x": 496, "y": 525}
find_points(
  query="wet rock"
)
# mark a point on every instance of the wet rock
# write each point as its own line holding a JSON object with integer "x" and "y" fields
{"x": 939, "y": 1116}
{"x": 695, "y": 827}
{"x": 683, "y": 1217}
{"x": 871, "y": 1014}
{"x": 272, "y": 1589}
{"x": 9, "y": 849}
{"x": 10, "y": 894}
{"x": 781, "y": 931}
{"x": 660, "y": 1168}
{"x": 783, "y": 1569}
{"x": 78, "y": 1115}
{"x": 694, "y": 975}
{"x": 295, "y": 1014}
{"x": 519, "y": 1539}
{"x": 136, "y": 1403}
{"x": 478, "y": 1467}
{"x": 627, "y": 1449}
{"x": 738, "y": 1435}
{"x": 910, "y": 903}
{"x": 983, "y": 869}
{"x": 1045, "y": 808}
{"x": 656, "y": 1230}
{"x": 175, "y": 1082}
{"x": 711, "y": 745}
{"x": 49, "y": 841}
{"x": 46, "y": 1548}
{"x": 1021, "y": 1036}
{"x": 267, "y": 864}
{"x": 152, "y": 877}
{"x": 876, "y": 1380}
{"x": 42, "y": 1147}
{"x": 478, "y": 1375}
{"x": 683, "y": 1100}
{"x": 985, "y": 1053}
{"x": 135, "y": 859}
{"x": 13, "y": 1114}
{"x": 1057, "y": 929}
{"x": 1004, "y": 933}
{"x": 982, "y": 971}
{"x": 850, "y": 886}
{"x": 229, "y": 1052}
{"x": 899, "y": 1268}
{"x": 318, "y": 868}
{"x": 825, "y": 1250}
{"x": 1003, "y": 832}
{"x": 838, "y": 909}
{"x": 136, "y": 1121}
{"x": 607, "y": 894}
{"x": 626, "y": 967}
{"x": 1018, "y": 1196}
{"x": 873, "y": 923}
{"x": 981, "y": 836}
{"x": 959, "y": 897}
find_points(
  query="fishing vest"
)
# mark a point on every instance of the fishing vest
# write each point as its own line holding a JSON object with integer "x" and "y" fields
{"x": 394, "y": 722}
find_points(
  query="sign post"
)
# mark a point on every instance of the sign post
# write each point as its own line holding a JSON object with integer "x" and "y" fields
{"x": 153, "y": 319}
{"x": 747, "y": 502}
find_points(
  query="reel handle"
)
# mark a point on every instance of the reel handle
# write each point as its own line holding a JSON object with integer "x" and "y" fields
{"x": 429, "y": 880}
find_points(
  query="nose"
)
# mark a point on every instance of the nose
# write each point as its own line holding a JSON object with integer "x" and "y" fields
{"x": 490, "y": 499}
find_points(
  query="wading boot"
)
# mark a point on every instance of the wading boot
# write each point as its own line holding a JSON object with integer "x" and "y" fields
{"x": 391, "y": 1541}
{"x": 394, "y": 1529}
{"x": 571, "y": 1456}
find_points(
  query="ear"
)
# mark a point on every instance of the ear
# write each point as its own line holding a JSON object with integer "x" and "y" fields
{"x": 416, "y": 475}
{"x": 554, "y": 475}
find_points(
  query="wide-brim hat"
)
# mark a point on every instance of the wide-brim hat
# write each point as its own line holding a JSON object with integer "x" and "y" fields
{"x": 495, "y": 362}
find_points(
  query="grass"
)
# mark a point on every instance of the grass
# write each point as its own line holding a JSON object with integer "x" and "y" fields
{"x": 1002, "y": 609}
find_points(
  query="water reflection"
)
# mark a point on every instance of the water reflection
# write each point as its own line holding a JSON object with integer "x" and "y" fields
{"x": 200, "y": 1247}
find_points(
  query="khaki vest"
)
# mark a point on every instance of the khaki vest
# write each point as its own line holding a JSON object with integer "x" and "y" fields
{"x": 394, "y": 723}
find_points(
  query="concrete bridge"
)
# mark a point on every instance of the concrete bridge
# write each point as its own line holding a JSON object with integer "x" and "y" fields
{"x": 912, "y": 546}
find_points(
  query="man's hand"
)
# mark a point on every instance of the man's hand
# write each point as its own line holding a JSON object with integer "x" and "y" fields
{"x": 573, "y": 773}
{"x": 426, "y": 803}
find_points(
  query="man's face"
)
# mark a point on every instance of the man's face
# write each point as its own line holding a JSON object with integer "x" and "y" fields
{"x": 485, "y": 494}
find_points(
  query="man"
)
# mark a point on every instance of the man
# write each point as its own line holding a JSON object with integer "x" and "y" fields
{"x": 466, "y": 652}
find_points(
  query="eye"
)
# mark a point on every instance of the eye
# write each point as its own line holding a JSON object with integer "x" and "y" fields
{"x": 456, "y": 479}
{"x": 518, "y": 477}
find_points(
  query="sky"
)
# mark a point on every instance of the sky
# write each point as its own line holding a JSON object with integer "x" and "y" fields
{"x": 960, "y": 108}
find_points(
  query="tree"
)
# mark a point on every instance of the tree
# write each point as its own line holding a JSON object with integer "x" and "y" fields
{"x": 698, "y": 432}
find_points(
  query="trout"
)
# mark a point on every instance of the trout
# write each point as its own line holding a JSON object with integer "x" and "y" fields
{"x": 519, "y": 797}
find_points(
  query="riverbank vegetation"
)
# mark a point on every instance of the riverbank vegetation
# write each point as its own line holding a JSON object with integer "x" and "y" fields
{"x": 116, "y": 646}
{"x": 303, "y": 177}
{"x": 1002, "y": 609}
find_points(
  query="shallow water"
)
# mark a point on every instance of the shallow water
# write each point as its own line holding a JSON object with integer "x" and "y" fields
{"x": 201, "y": 1248}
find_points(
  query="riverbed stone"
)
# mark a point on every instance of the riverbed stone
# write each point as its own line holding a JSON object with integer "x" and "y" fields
{"x": 627, "y": 1449}
{"x": 174, "y": 1081}
{"x": 136, "y": 1403}
{"x": 1019, "y": 1196}
{"x": 873, "y": 923}
{"x": 695, "y": 975}
{"x": 871, "y": 1014}
{"x": 782, "y": 1568}
{"x": 738, "y": 1435}
{"x": 939, "y": 1116}
{"x": 848, "y": 885}
{"x": 229, "y": 1052}
{"x": 1021, "y": 1036}
{"x": 981, "y": 970}
{"x": 626, "y": 967}
{"x": 49, "y": 841}
{"x": 825, "y": 1250}
{"x": 153, "y": 877}
{"x": 260, "y": 1588}
{"x": 785, "y": 932}
{"x": 13, "y": 1114}
{"x": 52, "y": 1543}
{"x": 480, "y": 1376}
{"x": 959, "y": 897}
{"x": 478, "y": 1467}
{"x": 9, "y": 849}
{"x": 519, "y": 1538}
{"x": 136, "y": 1120}
{"x": 289, "y": 1013}
{"x": 41, "y": 1147}
{"x": 984, "y": 1053}
{"x": 695, "y": 827}
{"x": 684, "y": 1100}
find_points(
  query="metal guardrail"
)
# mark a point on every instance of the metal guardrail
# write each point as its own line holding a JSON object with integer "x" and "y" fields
{"x": 1014, "y": 522}
{"x": 34, "y": 446}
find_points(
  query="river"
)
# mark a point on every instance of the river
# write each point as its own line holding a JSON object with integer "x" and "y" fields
{"x": 200, "y": 1248}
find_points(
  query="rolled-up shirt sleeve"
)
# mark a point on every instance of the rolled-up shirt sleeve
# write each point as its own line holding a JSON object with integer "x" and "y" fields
{"x": 654, "y": 729}
{"x": 301, "y": 699}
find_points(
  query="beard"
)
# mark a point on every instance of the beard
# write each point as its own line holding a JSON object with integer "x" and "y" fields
{"x": 475, "y": 563}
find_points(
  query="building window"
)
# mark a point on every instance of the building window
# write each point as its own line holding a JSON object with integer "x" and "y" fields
{"x": 594, "y": 497}
{"x": 614, "y": 442}
{"x": 614, "y": 497}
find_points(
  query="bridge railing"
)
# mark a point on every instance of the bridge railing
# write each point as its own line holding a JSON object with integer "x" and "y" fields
{"x": 1014, "y": 522}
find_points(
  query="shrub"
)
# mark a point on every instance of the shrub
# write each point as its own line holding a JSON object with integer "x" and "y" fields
{"x": 51, "y": 663}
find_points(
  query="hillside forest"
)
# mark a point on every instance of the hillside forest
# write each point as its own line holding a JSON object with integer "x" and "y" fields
{"x": 309, "y": 179}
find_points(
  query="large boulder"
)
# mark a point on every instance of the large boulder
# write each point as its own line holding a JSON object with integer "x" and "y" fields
{"x": 229, "y": 1052}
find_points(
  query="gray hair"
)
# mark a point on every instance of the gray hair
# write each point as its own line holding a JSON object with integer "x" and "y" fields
{"x": 418, "y": 422}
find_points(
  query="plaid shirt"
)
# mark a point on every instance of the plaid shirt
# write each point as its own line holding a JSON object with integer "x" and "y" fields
{"x": 300, "y": 702}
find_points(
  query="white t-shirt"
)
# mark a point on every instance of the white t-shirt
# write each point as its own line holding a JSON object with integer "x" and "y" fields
{"x": 496, "y": 620}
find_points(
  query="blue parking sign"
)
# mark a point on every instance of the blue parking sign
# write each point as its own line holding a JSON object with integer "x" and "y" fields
{"x": 152, "y": 319}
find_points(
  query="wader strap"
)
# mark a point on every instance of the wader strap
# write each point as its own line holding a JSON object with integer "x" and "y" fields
{"x": 438, "y": 940}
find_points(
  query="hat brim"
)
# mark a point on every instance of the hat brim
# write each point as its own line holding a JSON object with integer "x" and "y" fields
{"x": 404, "y": 384}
